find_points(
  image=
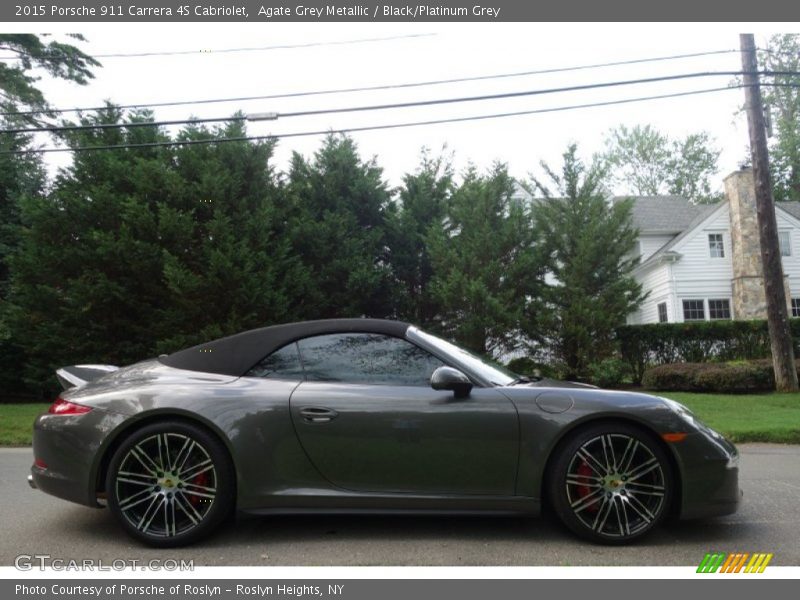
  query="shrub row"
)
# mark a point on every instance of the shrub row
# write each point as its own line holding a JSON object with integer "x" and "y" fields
{"x": 736, "y": 377}
{"x": 645, "y": 346}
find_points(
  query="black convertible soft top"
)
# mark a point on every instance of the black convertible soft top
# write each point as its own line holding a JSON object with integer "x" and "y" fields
{"x": 236, "y": 354}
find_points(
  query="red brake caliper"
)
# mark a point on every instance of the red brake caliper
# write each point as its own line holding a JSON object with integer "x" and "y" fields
{"x": 200, "y": 479}
{"x": 584, "y": 470}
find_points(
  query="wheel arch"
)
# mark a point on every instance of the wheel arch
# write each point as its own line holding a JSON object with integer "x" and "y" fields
{"x": 133, "y": 424}
{"x": 564, "y": 436}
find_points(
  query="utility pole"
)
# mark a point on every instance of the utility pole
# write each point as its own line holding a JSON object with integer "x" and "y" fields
{"x": 777, "y": 314}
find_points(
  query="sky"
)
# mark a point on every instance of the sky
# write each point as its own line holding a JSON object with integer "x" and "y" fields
{"x": 437, "y": 51}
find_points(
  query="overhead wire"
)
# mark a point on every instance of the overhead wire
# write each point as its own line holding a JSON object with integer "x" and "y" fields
{"x": 370, "y": 127}
{"x": 398, "y": 105}
{"x": 248, "y": 48}
{"x": 393, "y": 86}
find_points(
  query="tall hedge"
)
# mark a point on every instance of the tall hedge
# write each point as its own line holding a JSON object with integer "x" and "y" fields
{"x": 643, "y": 346}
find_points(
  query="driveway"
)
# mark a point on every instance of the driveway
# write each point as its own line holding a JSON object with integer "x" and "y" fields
{"x": 768, "y": 521}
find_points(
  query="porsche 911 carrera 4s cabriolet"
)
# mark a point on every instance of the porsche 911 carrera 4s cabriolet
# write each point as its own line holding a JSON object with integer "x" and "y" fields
{"x": 366, "y": 415}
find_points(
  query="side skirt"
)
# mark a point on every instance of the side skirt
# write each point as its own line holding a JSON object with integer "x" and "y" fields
{"x": 396, "y": 504}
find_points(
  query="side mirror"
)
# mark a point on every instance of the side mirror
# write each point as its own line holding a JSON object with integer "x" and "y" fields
{"x": 448, "y": 378}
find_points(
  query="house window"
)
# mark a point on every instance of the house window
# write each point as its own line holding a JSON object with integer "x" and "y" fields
{"x": 693, "y": 310}
{"x": 796, "y": 307}
{"x": 716, "y": 246}
{"x": 785, "y": 243}
{"x": 662, "y": 312}
{"x": 719, "y": 309}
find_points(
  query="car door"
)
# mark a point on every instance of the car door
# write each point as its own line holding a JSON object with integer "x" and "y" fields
{"x": 369, "y": 421}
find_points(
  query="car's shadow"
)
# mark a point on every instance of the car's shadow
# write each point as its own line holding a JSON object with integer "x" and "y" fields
{"x": 99, "y": 527}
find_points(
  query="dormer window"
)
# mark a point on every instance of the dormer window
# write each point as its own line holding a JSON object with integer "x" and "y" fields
{"x": 716, "y": 245}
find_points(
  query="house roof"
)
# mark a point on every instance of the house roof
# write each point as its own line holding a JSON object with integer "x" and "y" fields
{"x": 700, "y": 214}
{"x": 793, "y": 208}
{"x": 650, "y": 211}
{"x": 662, "y": 214}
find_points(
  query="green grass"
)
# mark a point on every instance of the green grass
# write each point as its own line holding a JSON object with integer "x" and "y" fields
{"x": 16, "y": 423}
{"x": 747, "y": 417}
{"x": 741, "y": 418}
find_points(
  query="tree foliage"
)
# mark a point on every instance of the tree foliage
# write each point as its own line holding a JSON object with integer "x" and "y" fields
{"x": 141, "y": 250}
{"x": 59, "y": 60}
{"x": 782, "y": 53}
{"x": 424, "y": 198}
{"x": 586, "y": 242}
{"x": 134, "y": 251}
{"x": 643, "y": 161}
{"x": 484, "y": 262}
{"x": 22, "y": 176}
{"x": 338, "y": 226}
{"x": 228, "y": 263}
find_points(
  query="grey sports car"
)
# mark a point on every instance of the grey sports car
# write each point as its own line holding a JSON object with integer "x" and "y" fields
{"x": 357, "y": 415}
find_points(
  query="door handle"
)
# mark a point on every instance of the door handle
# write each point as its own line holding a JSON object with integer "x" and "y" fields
{"x": 317, "y": 414}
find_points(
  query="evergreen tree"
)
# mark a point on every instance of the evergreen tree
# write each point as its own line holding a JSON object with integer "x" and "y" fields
{"x": 141, "y": 250}
{"x": 228, "y": 264}
{"x": 423, "y": 200}
{"x": 22, "y": 176}
{"x": 339, "y": 230}
{"x": 587, "y": 242}
{"x": 87, "y": 277}
{"x": 485, "y": 265}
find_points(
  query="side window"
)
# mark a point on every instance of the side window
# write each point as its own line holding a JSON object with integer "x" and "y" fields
{"x": 281, "y": 364}
{"x": 366, "y": 358}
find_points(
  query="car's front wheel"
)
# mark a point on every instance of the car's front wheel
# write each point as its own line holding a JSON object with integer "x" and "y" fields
{"x": 170, "y": 483}
{"x": 611, "y": 483}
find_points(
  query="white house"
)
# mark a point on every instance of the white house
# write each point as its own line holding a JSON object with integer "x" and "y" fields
{"x": 702, "y": 262}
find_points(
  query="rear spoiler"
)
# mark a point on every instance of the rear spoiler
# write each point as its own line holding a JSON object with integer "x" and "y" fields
{"x": 79, "y": 375}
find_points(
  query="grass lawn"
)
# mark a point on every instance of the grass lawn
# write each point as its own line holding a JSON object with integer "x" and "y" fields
{"x": 747, "y": 418}
{"x": 741, "y": 418}
{"x": 16, "y": 423}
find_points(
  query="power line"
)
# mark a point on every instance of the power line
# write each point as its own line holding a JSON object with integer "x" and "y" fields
{"x": 394, "y": 86}
{"x": 132, "y": 125}
{"x": 248, "y": 49}
{"x": 396, "y": 105}
{"x": 372, "y": 127}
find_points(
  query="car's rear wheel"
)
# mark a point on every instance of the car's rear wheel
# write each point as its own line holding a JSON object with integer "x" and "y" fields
{"x": 170, "y": 483}
{"x": 611, "y": 483}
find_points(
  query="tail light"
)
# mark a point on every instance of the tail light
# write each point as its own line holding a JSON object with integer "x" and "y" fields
{"x": 62, "y": 407}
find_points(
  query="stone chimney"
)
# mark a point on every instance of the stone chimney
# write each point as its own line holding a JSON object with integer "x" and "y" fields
{"x": 749, "y": 299}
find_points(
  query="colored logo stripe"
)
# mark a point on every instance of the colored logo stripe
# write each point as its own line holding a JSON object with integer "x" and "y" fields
{"x": 758, "y": 563}
{"x": 711, "y": 562}
{"x": 734, "y": 563}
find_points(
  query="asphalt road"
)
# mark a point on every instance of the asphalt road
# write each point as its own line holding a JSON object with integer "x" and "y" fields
{"x": 768, "y": 521}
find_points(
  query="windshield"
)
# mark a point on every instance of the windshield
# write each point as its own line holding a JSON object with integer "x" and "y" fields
{"x": 483, "y": 367}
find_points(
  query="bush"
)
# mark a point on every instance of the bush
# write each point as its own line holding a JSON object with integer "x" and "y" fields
{"x": 735, "y": 377}
{"x": 609, "y": 373}
{"x": 644, "y": 346}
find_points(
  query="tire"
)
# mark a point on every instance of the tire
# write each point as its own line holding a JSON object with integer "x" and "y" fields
{"x": 611, "y": 483}
{"x": 170, "y": 484}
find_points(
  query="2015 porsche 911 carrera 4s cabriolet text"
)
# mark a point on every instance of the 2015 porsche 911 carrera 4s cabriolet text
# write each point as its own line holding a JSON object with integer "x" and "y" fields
{"x": 368, "y": 415}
